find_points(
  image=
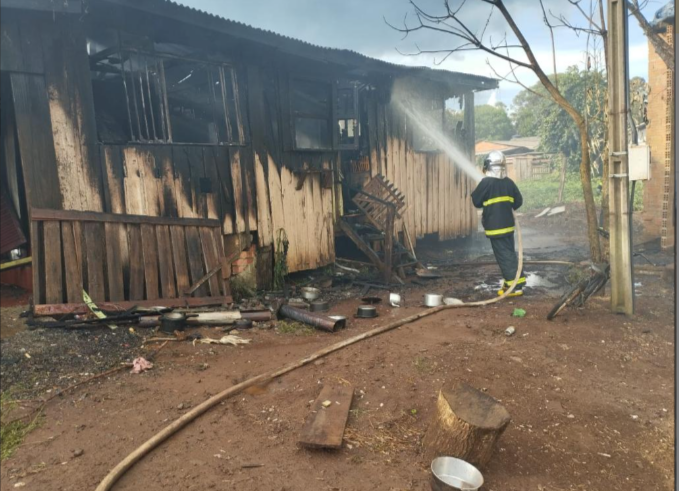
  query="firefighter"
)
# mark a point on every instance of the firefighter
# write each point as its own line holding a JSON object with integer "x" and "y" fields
{"x": 498, "y": 196}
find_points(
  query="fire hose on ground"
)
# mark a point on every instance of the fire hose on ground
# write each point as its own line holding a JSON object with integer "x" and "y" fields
{"x": 140, "y": 452}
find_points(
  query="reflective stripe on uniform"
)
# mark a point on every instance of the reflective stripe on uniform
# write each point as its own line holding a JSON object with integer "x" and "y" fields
{"x": 520, "y": 281}
{"x": 499, "y": 199}
{"x": 499, "y": 231}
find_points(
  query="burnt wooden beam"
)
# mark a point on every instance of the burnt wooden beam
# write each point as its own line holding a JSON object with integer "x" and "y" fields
{"x": 81, "y": 308}
{"x": 89, "y": 216}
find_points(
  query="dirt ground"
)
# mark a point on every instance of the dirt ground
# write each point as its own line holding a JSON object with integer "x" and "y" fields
{"x": 590, "y": 395}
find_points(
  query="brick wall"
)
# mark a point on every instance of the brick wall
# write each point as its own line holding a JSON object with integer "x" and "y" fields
{"x": 659, "y": 190}
{"x": 245, "y": 259}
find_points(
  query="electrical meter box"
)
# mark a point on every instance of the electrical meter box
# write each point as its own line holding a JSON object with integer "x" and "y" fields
{"x": 639, "y": 158}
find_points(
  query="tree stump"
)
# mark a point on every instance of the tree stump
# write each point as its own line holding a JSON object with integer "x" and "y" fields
{"x": 466, "y": 425}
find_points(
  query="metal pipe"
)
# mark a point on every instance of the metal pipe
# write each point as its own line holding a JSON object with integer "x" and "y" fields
{"x": 316, "y": 320}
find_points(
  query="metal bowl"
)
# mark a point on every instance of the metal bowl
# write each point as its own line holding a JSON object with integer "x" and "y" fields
{"x": 366, "y": 312}
{"x": 243, "y": 324}
{"x": 310, "y": 293}
{"x": 432, "y": 299}
{"x": 320, "y": 306}
{"x": 449, "y": 473}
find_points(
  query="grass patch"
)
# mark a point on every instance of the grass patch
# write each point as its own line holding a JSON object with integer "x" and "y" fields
{"x": 294, "y": 328}
{"x": 12, "y": 433}
{"x": 545, "y": 192}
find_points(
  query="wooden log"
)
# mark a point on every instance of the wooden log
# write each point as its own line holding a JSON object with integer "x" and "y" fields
{"x": 466, "y": 425}
{"x": 324, "y": 427}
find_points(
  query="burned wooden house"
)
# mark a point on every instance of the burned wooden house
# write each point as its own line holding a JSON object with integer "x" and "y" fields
{"x": 148, "y": 146}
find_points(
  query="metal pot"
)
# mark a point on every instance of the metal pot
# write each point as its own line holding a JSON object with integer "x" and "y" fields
{"x": 310, "y": 293}
{"x": 432, "y": 299}
{"x": 371, "y": 300}
{"x": 174, "y": 321}
{"x": 319, "y": 306}
{"x": 449, "y": 473}
{"x": 366, "y": 312}
{"x": 243, "y": 324}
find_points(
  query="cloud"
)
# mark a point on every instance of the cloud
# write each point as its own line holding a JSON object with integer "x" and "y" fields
{"x": 360, "y": 25}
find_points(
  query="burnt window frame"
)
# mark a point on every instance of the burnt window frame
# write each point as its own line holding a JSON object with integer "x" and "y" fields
{"x": 332, "y": 118}
{"x": 226, "y": 71}
{"x": 413, "y": 134}
{"x": 353, "y": 114}
{"x": 294, "y": 115}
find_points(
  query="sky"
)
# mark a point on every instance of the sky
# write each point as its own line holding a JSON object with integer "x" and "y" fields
{"x": 360, "y": 25}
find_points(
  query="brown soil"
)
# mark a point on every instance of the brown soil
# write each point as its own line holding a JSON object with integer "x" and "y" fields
{"x": 590, "y": 395}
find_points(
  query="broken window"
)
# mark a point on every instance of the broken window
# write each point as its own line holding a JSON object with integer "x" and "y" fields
{"x": 346, "y": 117}
{"x": 311, "y": 114}
{"x": 144, "y": 96}
{"x": 430, "y": 113}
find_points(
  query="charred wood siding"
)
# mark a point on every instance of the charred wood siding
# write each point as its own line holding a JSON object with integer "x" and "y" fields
{"x": 437, "y": 192}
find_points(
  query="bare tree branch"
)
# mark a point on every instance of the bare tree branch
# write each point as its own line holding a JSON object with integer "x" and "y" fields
{"x": 455, "y": 27}
{"x": 515, "y": 80}
{"x": 551, "y": 33}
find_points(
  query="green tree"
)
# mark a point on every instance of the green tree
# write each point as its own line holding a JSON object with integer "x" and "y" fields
{"x": 492, "y": 122}
{"x": 536, "y": 114}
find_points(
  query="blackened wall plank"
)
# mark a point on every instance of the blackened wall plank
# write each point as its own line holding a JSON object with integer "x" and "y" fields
{"x": 38, "y": 263}
{"x": 182, "y": 182}
{"x": 36, "y": 144}
{"x": 166, "y": 262}
{"x": 181, "y": 266}
{"x": 53, "y": 269}
{"x": 223, "y": 168}
{"x": 94, "y": 252}
{"x": 136, "y": 282}
{"x": 114, "y": 262}
{"x": 210, "y": 258}
{"x": 214, "y": 196}
{"x": 195, "y": 254}
{"x": 114, "y": 179}
{"x": 72, "y": 265}
{"x": 150, "y": 248}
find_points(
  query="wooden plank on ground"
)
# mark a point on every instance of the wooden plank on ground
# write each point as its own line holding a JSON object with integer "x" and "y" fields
{"x": 324, "y": 426}
{"x": 181, "y": 266}
{"x": 150, "y": 248}
{"x": 94, "y": 252}
{"x": 136, "y": 285}
{"x": 114, "y": 262}
{"x": 72, "y": 265}
{"x": 166, "y": 262}
{"x": 81, "y": 308}
{"x": 195, "y": 255}
{"x": 53, "y": 270}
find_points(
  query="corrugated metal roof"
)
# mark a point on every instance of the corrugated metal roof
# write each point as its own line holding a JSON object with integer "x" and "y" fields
{"x": 280, "y": 42}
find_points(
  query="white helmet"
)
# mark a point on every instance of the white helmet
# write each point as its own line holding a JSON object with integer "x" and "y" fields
{"x": 495, "y": 164}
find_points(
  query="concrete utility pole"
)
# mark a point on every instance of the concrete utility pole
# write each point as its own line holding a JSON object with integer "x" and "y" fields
{"x": 622, "y": 286}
